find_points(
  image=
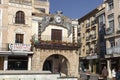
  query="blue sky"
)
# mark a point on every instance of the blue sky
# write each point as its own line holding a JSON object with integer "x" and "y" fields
{"x": 74, "y": 8}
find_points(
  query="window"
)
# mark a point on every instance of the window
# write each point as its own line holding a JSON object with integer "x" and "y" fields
{"x": 56, "y": 34}
{"x": 111, "y": 20}
{"x": 17, "y": 63}
{"x": 112, "y": 42}
{"x": 111, "y": 24}
{"x": 110, "y": 4}
{"x": 19, "y": 38}
{"x": 88, "y": 23}
{"x": 101, "y": 20}
{"x": 20, "y": 17}
{"x": 111, "y": 16}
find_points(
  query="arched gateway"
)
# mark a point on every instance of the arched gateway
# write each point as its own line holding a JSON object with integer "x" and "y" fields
{"x": 56, "y": 64}
{"x": 56, "y": 61}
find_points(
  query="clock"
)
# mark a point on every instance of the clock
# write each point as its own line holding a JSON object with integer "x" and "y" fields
{"x": 58, "y": 19}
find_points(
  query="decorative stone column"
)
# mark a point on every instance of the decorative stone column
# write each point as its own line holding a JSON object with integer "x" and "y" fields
{"x": 5, "y": 63}
{"x": 109, "y": 68}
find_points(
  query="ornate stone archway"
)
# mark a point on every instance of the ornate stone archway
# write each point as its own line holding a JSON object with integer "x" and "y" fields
{"x": 56, "y": 63}
{"x": 71, "y": 58}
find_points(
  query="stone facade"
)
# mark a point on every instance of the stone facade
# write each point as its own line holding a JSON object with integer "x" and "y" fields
{"x": 61, "y": 56}
{"x": 71, "y": 58}
{"x": 19, "y": 26}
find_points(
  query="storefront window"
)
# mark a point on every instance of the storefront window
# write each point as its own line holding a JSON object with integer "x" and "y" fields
{"x": 17, "y": 63}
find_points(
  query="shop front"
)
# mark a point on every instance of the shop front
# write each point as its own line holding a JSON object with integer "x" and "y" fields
{"x": 18, "y": 57}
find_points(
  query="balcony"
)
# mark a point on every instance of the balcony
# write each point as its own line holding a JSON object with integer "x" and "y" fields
{"x": 79, "y": 39}
{"x": 59, "y": 45}
{"x": 109, "y": 31}
{"x": 93, "y": 22}
{"x": 79, "y": 29}
{"x": 87, "y": 25}
{"x": 113, "y": 50}
{"x": 24, "y": 2}
{"x": 93, "y": 36}
{"x": 87, "y": 38}
{"x": 118, "y": 29}
{"x": 47, "y": 42}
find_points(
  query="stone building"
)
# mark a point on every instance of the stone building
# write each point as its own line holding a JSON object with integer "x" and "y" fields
{"x": 89, "y": 36}
{"x": 88, "y": 33}
{"x": 55, "y": 44}
{"x": 53, "y": 36}
{"x": 16, "y": 32}
{"x": 108, "y": 18}
{"x": 16, "y": 28}
{"x": 112, "y": 28}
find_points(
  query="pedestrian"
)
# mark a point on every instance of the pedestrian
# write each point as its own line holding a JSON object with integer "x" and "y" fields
{"x": 113, "y": 74}
{"x": 118, "y": 74}
{"x": 104, "y": 73}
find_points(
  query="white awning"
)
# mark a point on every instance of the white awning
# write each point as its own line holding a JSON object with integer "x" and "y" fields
{"x": 15, "y": 53}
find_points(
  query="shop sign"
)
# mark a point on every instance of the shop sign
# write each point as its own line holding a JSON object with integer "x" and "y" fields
{"x": 20, "y": 47}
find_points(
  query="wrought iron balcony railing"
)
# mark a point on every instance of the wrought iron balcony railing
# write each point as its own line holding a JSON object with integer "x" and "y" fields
{"x": 63, "y": 39}
{"x": 59, "y": 45}
{"x": 87, "y": 25}
{"x": 109, "y": 31}
{"x": 46, "y": 42}
{"x": 93, "y": 36}
{"x": 87, "y": 38}
{"x": 93, "y": 22}
{"x": 113, "y": 50}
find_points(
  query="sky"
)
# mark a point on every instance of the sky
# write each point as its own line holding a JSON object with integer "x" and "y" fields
{"x": 74, "y": 9}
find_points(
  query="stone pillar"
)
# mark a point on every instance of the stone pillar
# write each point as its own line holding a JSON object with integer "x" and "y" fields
{"x": 36, "y": 61}
{"x": 94, "y": 67}
{"x": 90, "y": 65}
{"x": 5, "y": 62}
{"x": 29, "y": 62}
{"x": 109, "y": 68}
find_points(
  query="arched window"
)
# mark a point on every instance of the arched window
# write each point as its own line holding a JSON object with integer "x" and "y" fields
{"x": 20, "y": 17}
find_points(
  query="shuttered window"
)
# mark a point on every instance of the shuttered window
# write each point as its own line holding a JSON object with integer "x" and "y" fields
{"x": 19, "y": 38}
{"x": 56, "y": 34}
{"x": 20, "y": 17}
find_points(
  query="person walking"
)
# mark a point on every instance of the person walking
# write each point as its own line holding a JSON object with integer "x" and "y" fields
{"x": 104, "y": 73}
{"x": 118, "y": 74}
{"x": 113, "y": 74}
